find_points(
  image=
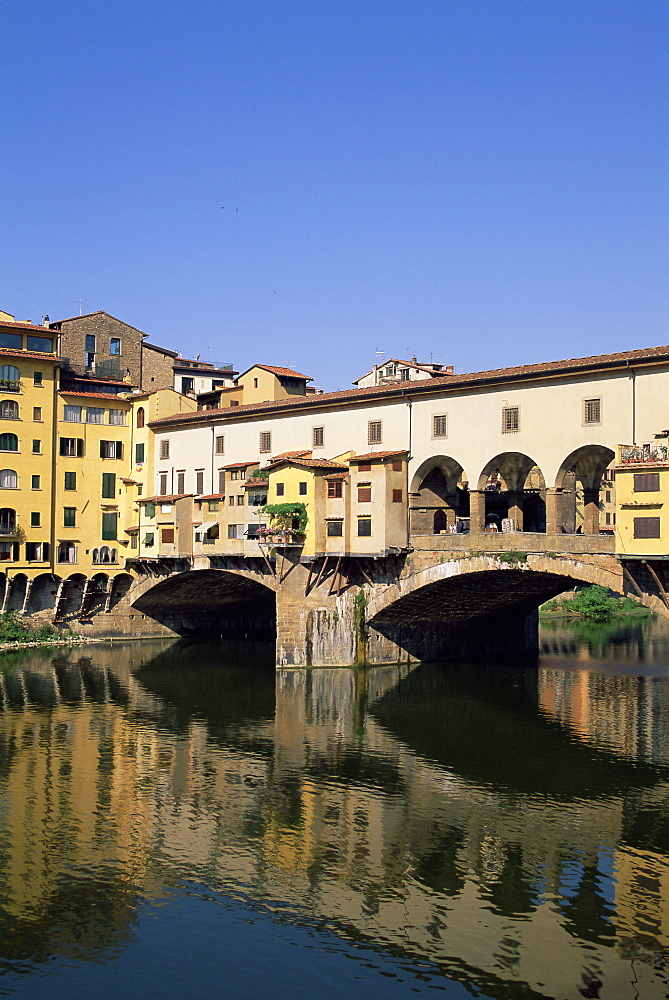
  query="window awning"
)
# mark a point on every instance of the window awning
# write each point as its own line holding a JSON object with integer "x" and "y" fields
{"x": 206, "y": 525}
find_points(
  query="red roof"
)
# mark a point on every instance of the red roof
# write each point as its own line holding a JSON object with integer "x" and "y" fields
{"x": 312, "y": 463}
{"x": 275, "y": 370}
{"x": 129, "y": 482}
{"x": 289, "y": 454}
{"x": 166, "y": 499}
{"x": 377, "y": 454}
{"x": 26, "y": 326}
{"x": 255, "y": 481}
{"x": 211, "y": 496}
{"x": 236, "y": 465}
{"x": 447, "y": 383}
{"x": 336, "y": 475}
{"x": 93, "y": 395}
{"x": 40, "y": 355}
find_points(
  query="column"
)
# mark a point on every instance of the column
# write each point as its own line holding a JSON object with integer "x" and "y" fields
{"x": 554, "y": 511}
{"x": 516, "y": 508}
{"x": 476, "y": 511}
{"x": 590, "y": 511}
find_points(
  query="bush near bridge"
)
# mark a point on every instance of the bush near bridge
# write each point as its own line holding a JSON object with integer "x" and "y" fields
{"x": 597, "y": 604}
{"x": 15, "y": 628}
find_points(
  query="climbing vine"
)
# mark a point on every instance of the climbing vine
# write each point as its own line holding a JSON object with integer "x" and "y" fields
{"x": 285, "y": 514}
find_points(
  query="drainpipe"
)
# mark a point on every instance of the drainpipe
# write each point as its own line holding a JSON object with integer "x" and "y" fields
{"x": 409, "y": 436}
{"x": 213, "y": 443}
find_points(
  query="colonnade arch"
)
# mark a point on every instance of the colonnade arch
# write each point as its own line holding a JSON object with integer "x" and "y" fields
{"x": 511, "y": 487}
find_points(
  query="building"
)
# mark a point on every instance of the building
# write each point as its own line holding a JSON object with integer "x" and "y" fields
{"x": 259, "y": 383}
{"x": 642, "y": 493}
{"x": 396, "y": 370}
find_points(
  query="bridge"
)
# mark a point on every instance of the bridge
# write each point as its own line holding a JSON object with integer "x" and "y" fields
{"x": 449, "y": 596}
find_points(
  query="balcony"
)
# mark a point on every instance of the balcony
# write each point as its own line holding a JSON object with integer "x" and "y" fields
{"x": 8, "y": 529}
{"x": 10, "y": 385}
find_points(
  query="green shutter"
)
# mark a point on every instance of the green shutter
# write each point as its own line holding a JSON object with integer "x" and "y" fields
{"x": 80, "y": 447}
{"x": 108, "y": 485}
{"x": 109, "y": 527}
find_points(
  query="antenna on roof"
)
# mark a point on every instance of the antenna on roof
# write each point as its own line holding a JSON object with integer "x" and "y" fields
{"x": 80, "y": 301}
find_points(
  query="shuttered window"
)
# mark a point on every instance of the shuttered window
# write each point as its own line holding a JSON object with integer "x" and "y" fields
{"x": 167, "y": 536}
{"x": 265, "y": 442}
{"x": 318, "y": 437}
{"x": 646, "y": 482}
{"x": 364, "y": 492}
{"x": 109, "y": 529}
{"x": 397, "y": 496}
{"x": 164, "y": 449}
{"x": 199, "y": 481}
{"x": 646, "y": 527}
{"x": 220, "y": 444}
{"x": 334, "y": 489}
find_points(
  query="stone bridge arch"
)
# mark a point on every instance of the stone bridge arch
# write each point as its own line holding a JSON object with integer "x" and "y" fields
{"x": 481, "y": 605}
{"x": 208, "y": 602}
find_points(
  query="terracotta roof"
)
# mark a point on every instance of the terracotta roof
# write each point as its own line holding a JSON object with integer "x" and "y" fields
{"x": 93, "y": 395}
{"x": 211, "y": 496}
{"x": 40, "y": 355}
{"x": 168, "y": 498}
{"x": 336, "y": 475}
{"x": 131, "y": 529}
{"x": 256, "y": 481}
{"x": 129, "y": 482}
{"x": 447, "y": 383}
{"x": 290, "y": 454}
{"x": 236, "y": 465}
{"x": 275, "y": 370}
{"x": 18, "y": 325}
{"x": 377, "y": 454}
{"x": 312, "y": 463}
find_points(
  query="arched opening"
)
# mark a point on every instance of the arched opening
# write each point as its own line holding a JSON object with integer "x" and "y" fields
{"x": 140, "y": 417}
{"x": 577, "y": 488}
{"x": 439, "y": 499}
{"x": 72, "y": 595}
{"x": 121, "y": 584}
{"x": 43, "y": 593}
{"x": 7, "y": 521}
{"x": 9, "y": 442}
{"x": 17, "y": 586}
{"x": 212, "y": 603}
{"x": 8, "y": 479}
{"x": 9, "y": 409}
{"x": 511, "y": 495}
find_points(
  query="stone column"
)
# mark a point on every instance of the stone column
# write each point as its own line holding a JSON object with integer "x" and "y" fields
{"x": 516, "y": 508}
{"x": 590, "y": 511}
{"x": 554, "y": 511}
{"x": 476, "y": 511}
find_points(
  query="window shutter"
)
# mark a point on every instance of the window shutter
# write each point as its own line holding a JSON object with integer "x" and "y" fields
{"x": 80, "y": 447}
{"x": 119, "y": 449}
{"x": 103, "y": 449}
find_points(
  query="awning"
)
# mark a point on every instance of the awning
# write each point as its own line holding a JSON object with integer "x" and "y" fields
{"x": 206, "y": 525}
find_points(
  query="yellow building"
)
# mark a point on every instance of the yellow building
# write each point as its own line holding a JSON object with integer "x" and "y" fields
{"x": 642, "y": 494}
{"x": 28, "y": 384}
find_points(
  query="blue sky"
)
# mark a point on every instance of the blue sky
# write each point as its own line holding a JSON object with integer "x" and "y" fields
{"x": 307, "y": 182}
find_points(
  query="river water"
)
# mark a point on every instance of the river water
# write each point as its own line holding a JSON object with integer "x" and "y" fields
{"x": 180, "y": 820}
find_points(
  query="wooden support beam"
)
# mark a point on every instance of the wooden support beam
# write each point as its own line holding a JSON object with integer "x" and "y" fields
{"x": 268, "y": 563}
{"x": 322, "y": 570}
{"x": 311, "y": 570}
{"x": 336, "y": 573}
{"x": 364, "y": 572}
{"x": 631, "y": 579}
{"x": 343, "y": 577}
{"x": 659, "y": 583}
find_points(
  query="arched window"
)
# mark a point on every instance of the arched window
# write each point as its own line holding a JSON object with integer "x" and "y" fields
{"x": 104, "y": 554}
{"x": 67, "y": 552}
{"x": 7, "y": 521}
{"x": 9, "y": 409}
{"x": 8, "y": 480}
{"x": 140, "y": 417}
{"x": 439, "y": 522}
{"x": 112, "y": 555}
{"x": 96, "y": 555}
{"x": 9, "y": 442}
{"x": 8, "y": 373}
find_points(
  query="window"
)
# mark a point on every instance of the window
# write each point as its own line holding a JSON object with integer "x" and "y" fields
{"x": 44, "y": 344}
{"x": 404, "y": 374}
{"x": 111, "y": 449}
{"x": 12, "y": 341}
{"x": 139, "y": 454}
{"x": 67, "y": 552}
{"x": 397, "y": 466}
{"x": 69, "y": 517}
{"x": 397, "y": 496}
{"x": 335, "y": 489}
{"x": 318, "y": 437}
{"x": 117, "y": 417}
{"x": 231, "y": 501}
{"x": 37, "y": 414}
{"x": 234, "y": 475}
{"x": 607, "y": 495}
{"x": 302, "y": 490}
{"x": 240, "y": 500}
{"x": 37, "y": 378}
{"x": 108, "y": 485}
{"x": 390, "y": 370}
{"x": 72, "y": 447}
{"x": 253, "y": 529}
{"x": 34, "y": 552}
{"x": 148, "y": 539}
{"x": 510, "y": 419}
{"x": 7, "y": 521}
{"x": 72, "y": 413}
{"x": 70, "y": 481}
{"x": 646, "y": 527}
{"x": 115, "y": 345}
{"x": 607, "y": 518}
{"x": 592, "y": 411}
{"x": 109, "y": 525}
{"x": 37, "y": 447}
{"x": 440, "y": 426}
{"x": 34, "y": 482}
{"x": 9, "y": 409}
{"x": 163, "y": 484}
{"x": 187, "y": 385}
{"x": 181, "y": 483}
{"x": 140, "y": 417}
{"x": 374, "y": 435}
{"x": 364, "y": 527}
{"x": 7, "y": 551}
{"x": 199, "y": 481}
{"x": 646, "y": 482}
{"x": 90, "y": 343}
{"x": 164, "y": 449}
{"x": 220, "y": 444}
{"x": 235, "y": 531}
{"x": 9, "y": 442}
{"x": 34, "y": 519}
{"x": 213, "y": 505}
{"x": 8, "y": 480}
{"x": 167, "y": 536}
{"x": 279, "y": 489}
{"x": 221, "y": 480}
{"x": 265, "y": 442}
{"x": 242, "y": 473}
{"x": 364, "y": 492}
{"x": 335, "y": 529}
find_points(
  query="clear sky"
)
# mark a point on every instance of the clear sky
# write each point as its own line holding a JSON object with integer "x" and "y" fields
{"x": 307, "y": 182}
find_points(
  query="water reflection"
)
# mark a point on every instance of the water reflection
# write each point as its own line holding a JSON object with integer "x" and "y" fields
{"x": 504, "y": 829}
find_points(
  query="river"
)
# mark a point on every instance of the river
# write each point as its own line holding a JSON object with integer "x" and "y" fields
{"x": 178, "y": 819}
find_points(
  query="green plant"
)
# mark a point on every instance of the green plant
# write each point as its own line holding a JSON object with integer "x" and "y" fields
{"x": 15, "y": 628}
{"x": 595, "y": 603}
{"x": 512, "y": 557}
{"x": 284, "y": 516}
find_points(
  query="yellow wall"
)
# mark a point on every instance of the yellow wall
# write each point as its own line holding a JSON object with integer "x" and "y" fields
{"x": 633, "y": 504}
